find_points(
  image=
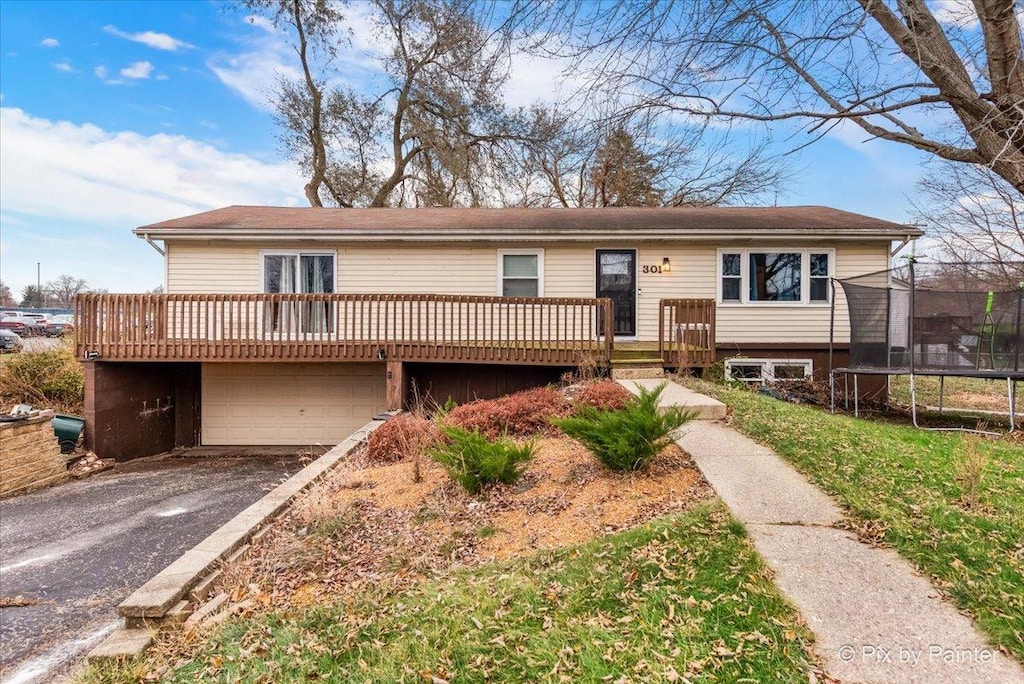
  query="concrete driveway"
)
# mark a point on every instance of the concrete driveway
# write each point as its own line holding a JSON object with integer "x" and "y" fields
{"x": 81, "y": 548}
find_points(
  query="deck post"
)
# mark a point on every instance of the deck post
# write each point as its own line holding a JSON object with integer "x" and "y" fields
{"x": 395, "y": 385}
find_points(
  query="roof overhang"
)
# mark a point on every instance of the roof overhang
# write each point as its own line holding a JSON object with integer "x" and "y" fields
{"x": 355, "y": 235}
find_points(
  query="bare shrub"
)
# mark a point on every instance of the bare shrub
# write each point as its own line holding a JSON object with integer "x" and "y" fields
{"x": 48, "y": 379}
{"x": 606, "y": 395}
{"x": 520, "y": 414}
{"x": 404, "y": 436}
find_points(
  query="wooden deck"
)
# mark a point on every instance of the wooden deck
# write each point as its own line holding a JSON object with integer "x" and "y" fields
{"x": 394, "y": 327}
{"x": 344, "y": 327}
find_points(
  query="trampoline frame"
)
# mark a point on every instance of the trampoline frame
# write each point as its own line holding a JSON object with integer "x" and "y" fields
{"x": 1011, "y": 377}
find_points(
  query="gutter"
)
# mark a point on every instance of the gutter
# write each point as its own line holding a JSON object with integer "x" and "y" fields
{"x": 545, "y": 236}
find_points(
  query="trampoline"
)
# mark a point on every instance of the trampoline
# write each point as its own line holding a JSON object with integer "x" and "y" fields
{"x": 903, "y": 325}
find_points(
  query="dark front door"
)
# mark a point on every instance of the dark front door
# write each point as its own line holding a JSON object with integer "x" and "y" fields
{"x": 616, "y": 279}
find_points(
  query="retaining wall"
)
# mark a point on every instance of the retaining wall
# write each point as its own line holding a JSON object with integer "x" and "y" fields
{"x": 30, "y": 457}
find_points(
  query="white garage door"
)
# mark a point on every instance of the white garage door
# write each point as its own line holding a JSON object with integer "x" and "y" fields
{"x": 299, "y": 404}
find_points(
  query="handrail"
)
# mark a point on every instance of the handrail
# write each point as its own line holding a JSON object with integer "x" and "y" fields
{"x": 686, "y": 332}
{"x": 309, "y": 327}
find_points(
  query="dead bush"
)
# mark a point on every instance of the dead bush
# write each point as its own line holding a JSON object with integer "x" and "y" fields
{"x": 48, "y": 379}
{"x": 605, "y": 395}
{"x": 519, "y": 415}
{"x": 404, "y": 436}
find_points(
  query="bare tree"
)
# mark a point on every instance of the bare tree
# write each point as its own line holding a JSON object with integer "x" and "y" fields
{"x": 63, "y": 289}
{"x": 6, "y": 298}
{"x": 901, "y": 70}
{"x": 314, "y": 25}
{"x": 979, "y": 219}
{"x": 422, "y": 138}
{"x": 615, "y": 160}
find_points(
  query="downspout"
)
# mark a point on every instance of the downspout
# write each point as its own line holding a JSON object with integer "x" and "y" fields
{"x": 160, "y": 250}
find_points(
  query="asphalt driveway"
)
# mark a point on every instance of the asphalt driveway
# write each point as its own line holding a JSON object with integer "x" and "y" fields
{"x": 79, "y": 549}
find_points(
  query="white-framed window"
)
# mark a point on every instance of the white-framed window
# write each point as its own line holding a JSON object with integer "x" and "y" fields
{"x": 303, "y": 272}
{"x": 521, "y": 272}
{"x": 768, "y": 370}
{"x": 774, "y": 276}
{"x": 295, "y": 271}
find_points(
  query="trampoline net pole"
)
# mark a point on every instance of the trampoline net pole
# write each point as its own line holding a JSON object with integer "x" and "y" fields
{"x": 831, "y": 343}
{"x": 910, "y": 343}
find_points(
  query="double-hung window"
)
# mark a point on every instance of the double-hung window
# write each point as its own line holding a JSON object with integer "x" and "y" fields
{"x": 299, "y": 273}
{"x": 783, "y": 276}
{"x": 520, "y": 273}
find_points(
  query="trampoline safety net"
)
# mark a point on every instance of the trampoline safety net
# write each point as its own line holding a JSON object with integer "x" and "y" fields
{"x": 898, "y": 326}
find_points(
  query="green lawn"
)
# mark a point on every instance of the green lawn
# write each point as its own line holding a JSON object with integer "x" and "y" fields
{"x": 910, "y": 484}
{"x": 965, "y": 393}
{"x": 684, "y": 596}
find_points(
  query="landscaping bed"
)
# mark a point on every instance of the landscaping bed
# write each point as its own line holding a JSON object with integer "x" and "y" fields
{"x": 571, "y": 571}
{"x": 952, "y": 504}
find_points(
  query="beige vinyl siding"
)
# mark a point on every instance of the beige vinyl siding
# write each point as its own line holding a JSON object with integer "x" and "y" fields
{"x": 569, "y": 271}
{"x": 195, "y": 267}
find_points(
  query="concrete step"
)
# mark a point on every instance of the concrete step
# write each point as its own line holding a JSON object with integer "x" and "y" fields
{"x": 675, "y": 394}
{"x": 122, "y": 644}
{"x": 618, "y": 353}
{"x": 637, "y": 372}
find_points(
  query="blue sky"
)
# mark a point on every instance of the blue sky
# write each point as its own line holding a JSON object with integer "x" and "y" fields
{"x": 117, "y": 114}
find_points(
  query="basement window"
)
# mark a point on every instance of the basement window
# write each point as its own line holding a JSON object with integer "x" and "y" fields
{"x": 768, "y": 370}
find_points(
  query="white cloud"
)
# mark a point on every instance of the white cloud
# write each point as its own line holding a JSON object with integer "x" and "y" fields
{"x": 162, "y": 77}
{"x": 254, "y": 72}
{"x": 84, "y": 174}
{"x": 137, "y": 70}
{"x": 100, "y": 71}
{"x": 267, "y": 55}
{"x": 49, "y": 42}
{"x": 958, "y": 13}
{"x": 64, "y": 65}
{"x": 157, "y": 41}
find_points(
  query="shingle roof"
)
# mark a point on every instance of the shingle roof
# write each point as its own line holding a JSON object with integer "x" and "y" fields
{"x": 250, "y": 222}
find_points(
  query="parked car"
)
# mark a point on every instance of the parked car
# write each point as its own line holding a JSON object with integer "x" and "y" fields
{"x": 25, "y": 326}
{"x": 43, "y": 321}
{"x": 10, "y": 341}
{"x": 62, "y": 324}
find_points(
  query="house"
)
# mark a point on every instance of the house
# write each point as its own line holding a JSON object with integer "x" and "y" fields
{"x": 293, "y": 326}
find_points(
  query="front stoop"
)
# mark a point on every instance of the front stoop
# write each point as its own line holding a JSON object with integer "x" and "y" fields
{"x": 675, "y": 394}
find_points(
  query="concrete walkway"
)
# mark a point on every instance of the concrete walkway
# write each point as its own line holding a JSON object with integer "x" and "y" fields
{"x": 875, "y": 618}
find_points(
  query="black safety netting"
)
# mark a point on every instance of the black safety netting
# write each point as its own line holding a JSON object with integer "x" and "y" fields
{"x": 897, "y": 324}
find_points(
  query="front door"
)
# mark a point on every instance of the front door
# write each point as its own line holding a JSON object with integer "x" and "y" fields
{"x": 616, "y": 280}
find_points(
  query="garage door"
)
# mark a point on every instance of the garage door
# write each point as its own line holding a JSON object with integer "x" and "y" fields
{"x": 298, "y": 404}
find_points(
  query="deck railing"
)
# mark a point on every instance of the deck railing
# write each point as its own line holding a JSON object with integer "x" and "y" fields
{"x": 311, "y": 327}
{"x": 686, "y": 332}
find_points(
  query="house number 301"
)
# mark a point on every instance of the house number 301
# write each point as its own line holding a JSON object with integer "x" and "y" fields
{"x": 652, "y": 268}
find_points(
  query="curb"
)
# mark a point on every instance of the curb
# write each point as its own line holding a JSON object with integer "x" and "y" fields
{"x": 158, "y": 597}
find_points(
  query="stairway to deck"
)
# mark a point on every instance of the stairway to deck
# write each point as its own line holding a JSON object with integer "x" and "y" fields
{"x": 637, "y": 360}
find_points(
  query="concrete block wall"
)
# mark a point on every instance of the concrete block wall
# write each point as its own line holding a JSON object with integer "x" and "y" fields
{"x": 30, "y": 457}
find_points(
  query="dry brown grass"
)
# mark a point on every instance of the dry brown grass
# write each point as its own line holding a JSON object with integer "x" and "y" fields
{"x": 371, "y": 525}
